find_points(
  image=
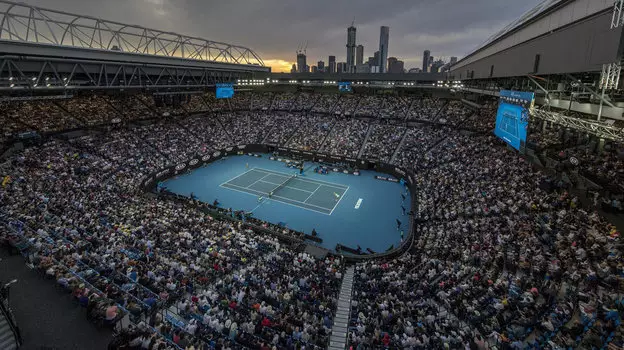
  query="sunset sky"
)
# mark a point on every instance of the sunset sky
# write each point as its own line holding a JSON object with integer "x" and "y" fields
{"x": 276, "y": 28}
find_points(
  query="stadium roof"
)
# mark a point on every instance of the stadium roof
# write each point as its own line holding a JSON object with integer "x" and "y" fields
{"x": 522, "y": 20}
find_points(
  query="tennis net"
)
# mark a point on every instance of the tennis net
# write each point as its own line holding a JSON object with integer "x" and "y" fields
{"x": 282, "y": 185}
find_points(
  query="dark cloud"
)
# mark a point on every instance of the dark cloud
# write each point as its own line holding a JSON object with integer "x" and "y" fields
{"x": 275, "y": 28}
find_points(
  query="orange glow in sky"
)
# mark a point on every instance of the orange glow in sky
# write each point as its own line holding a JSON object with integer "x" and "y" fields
{"x": 278, "y": 66}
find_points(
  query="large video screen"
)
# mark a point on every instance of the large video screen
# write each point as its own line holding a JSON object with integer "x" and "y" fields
{"x": 225, "y": 90}
{"x": 512, "y": 118}
{"x": 344, "y": 86}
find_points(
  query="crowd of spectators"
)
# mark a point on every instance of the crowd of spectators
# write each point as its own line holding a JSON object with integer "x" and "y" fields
{"x": 241, "y": 101}
{"x": 188, "y": 278}
{"x": 454, "y": 113}
{"x": 426, "y": 108}
{"x": 247, "y": 127}
{"x": 417, "y": 142}
{"x": 503, "y": 255}
{"x": 369, "y": 106}
{"x": 262, "y": 101}
{"x": 284, "y": 101}
{"x": 311, "y": 133}
{"x": 305, "y": 101}
{"x": 383, "y": 141}
{"x": 346, "y": 137}
{"x": 395, "y": 107}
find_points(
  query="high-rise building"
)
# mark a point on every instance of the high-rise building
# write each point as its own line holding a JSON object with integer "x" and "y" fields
{"x": 294, "y": 68}
{"x": 395, "y": 66}
{"x": 341, "y": 67}
{"x": 332, "y": 64}
{"x": 321, "y": 66}
{"x": 351, "y": 49}
{"x": 314, "y": 69}
{"x": 359, "y": 55}
{"x": 301, "y": 63}
{"x": 436, "y": 65}
{"x": 426, "y": 56}
{"x": 384, "y": 37}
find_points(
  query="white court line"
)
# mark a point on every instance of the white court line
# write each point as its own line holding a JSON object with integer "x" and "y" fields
{"x": 314, "y": 181}
{"x": 292, "y": 205}
{"x": 311, "y": 194}
{"x": 274, "y": 196}
{"x": 294, "y": 188}
{"x": 236, "y": 177}
{"x": 341, "y": 197}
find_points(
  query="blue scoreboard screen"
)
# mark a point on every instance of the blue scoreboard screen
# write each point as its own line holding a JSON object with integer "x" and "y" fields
{"x": 344, "y": 86}
{"x": 512, "y": 117}
{"x": 225, "y": 90}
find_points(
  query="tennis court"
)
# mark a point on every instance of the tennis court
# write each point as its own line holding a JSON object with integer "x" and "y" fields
{"x": 314, "y": 195}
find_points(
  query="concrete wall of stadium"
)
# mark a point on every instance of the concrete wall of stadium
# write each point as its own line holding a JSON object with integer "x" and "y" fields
{"x": 582, "y": 46}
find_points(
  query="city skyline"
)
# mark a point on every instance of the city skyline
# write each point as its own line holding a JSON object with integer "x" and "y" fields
{"x": 446, "y": 27}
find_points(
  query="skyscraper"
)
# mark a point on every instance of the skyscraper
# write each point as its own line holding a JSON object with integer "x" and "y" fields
{"x": 395, "y": 66}
{"x": 294, "y": 68}
{"x": 332, "y": 64}
{"x": 359, "y": 55}
{"x": 351, "y": 49}
{"x": 321, "y": 66}
{"x": 342, "y": 67}
{"x": 301, "y": 63}
{"x": 384, "y": 37}
{"x": 426, "y": 56}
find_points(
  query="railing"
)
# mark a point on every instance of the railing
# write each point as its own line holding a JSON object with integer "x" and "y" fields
{"x": 8, "y": 315}
{"x": 25, "y": 23}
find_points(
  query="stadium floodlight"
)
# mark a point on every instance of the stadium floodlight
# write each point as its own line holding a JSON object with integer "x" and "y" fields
{"x": 12, "y": 85}
{"x": 34, "y": 78}
{"x": 10, "y": 78}
{"x": 35, "y": 85}
{"x": 48, "y": 84}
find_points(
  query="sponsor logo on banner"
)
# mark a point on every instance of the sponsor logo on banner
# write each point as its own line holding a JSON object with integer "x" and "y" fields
{"x": 241, "y": 146}
{"x": 272, "y": 158}
{"x": 216, "y": 154}
{"x": 193, "y": 162}
{"x": 357, "y": 173}
{"x": 345, "y": 171}
{"x": 574, "y": 161}
{"x": 400, "y": 171}
{"x": 358, "y": 203}
{"x": 391, "y": 179}
{"x": 336, "y": 170}
{"x": 228, "y": 149}
{"x": 205, "y": 158}
{"x": 180, "y": 166}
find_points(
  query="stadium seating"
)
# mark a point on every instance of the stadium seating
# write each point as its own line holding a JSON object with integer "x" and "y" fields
{"x": 504, "y": 254}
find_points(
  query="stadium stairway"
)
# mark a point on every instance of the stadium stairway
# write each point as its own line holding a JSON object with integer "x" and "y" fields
{"x": 396, "y": 151}
{"x": 7, "y": 338}
{"x": 340, "y": 329}
{"x": 368, "y": 132}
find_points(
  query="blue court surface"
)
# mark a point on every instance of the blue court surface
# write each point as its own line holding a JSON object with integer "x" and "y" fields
{"x": 342, "y": 208}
